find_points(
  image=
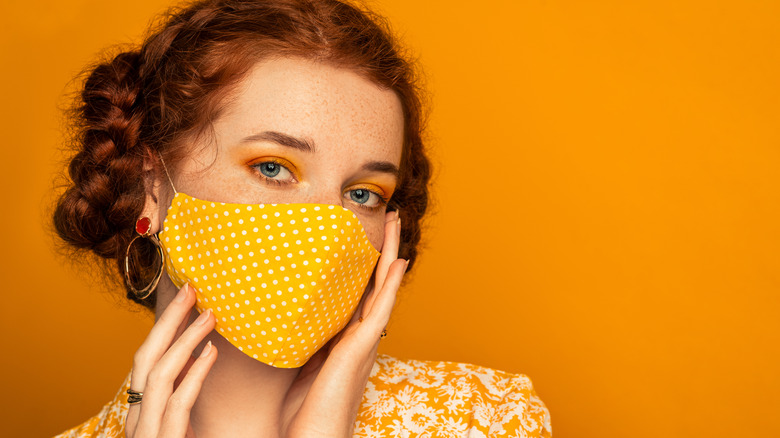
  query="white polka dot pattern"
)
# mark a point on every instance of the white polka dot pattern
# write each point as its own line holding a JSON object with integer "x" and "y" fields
{"x": 281, "y": 279}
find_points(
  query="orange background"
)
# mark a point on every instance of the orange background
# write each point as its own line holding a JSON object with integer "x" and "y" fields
{"x": 608, "y": 203}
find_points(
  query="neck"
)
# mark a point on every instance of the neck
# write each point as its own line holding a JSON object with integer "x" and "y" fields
{"x": 241, "y": 397}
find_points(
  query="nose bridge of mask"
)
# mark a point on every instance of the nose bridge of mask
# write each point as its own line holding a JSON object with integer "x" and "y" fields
{"x": 282, "y": 279}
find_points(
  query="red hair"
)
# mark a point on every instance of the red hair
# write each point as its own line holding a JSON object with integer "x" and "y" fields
{"x": 150, "y": 100}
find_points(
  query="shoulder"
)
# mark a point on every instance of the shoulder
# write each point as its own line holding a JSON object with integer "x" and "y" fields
{"x": 108, "y": 423}
{"x": 426, "y": 398}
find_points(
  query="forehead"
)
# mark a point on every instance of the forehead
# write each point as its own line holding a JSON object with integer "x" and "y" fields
{"x": 336, "y": 108}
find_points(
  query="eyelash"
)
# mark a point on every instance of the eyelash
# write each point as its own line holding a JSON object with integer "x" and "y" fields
{"x": 382, "y": 200}
{"x": 273, "y": 181}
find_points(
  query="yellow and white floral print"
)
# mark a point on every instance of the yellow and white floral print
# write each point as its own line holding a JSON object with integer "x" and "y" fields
{"x": 410, "y": 398}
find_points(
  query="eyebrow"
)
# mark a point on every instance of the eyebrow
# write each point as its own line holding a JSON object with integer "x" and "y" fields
{"x": 282, "y": 139}
{"x": 305, "y": 145}
{"x": 382, "y": 166}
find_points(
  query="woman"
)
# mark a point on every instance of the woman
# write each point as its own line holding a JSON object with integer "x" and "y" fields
{"x": 256, "y": 170}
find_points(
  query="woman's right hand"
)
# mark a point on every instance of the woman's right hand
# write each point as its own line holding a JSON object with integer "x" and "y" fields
{"x": 167, "y": 374}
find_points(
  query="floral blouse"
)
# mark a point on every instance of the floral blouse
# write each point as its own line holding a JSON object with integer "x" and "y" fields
{"x": 410, "y": 398}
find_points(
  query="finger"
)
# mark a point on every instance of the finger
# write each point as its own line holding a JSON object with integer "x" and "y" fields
{"x": 173, "y": 320}
{"x": 379, "y": 314}
{"x": 389, "y": 247}
{"x": 183, "y": 326}
{"x": 389, "y": 255}
{"x": 191, "y": 360}
{"x": 161, "y": 336}
{"x": 160, "y": 381}
{"x": 177, "y": 411}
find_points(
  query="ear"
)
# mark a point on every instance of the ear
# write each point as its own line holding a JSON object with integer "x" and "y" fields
{"x": 154, "y": 180}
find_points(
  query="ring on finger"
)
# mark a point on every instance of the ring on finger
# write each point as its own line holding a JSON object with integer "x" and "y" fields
{"x": 134, "y": 397}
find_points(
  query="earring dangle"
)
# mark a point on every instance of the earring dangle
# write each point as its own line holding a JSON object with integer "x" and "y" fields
{"x": 143, "y": 228}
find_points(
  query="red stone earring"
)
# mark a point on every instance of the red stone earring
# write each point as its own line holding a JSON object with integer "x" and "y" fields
{"x": 143, "y": 227}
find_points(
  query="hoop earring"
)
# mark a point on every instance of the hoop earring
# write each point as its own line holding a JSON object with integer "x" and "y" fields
{"x": 143, "y": 227}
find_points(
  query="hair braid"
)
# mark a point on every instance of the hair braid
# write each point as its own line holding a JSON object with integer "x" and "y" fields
{"x": 98, "y": 210}
{"x": 106, "y": 172}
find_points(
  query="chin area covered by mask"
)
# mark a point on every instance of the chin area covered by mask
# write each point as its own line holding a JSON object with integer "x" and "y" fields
{"x": 281, "y": 279}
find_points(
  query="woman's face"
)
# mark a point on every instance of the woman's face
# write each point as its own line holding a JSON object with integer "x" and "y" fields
{"x": 297, "y": 131}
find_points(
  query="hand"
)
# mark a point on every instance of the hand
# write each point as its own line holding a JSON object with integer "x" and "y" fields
{"x": 325, "y": 397}
{"x": 165, "y": 371}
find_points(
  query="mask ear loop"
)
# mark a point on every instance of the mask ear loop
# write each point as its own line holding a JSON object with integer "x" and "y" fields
{"x": 167, "y": 174}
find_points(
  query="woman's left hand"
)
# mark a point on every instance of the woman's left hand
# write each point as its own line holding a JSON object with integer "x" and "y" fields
{"x": 325, "y": 397}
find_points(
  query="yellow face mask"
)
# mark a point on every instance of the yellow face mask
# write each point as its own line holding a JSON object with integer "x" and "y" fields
{"x": 281, "y": 279}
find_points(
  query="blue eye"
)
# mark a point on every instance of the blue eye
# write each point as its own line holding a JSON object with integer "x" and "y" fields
{"x": 274, "y": 172}
{"x": 361, "y": 196}
{"x": 270, "y": 169}
{"x": 365, "y": 198}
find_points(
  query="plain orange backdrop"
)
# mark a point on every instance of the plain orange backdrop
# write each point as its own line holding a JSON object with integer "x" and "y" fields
{"x": 606, "y": 218}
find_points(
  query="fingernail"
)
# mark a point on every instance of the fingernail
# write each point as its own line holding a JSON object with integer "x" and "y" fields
{"x": 182, "y": 295}
{"x": 203, "y": 317}
{"x": 206, "y": 350}
{"x": 406, "y": 265}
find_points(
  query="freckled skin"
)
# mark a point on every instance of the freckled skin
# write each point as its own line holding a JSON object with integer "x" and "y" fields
{"x": 348, "y": 118}
{"x": 351, "y": 121}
